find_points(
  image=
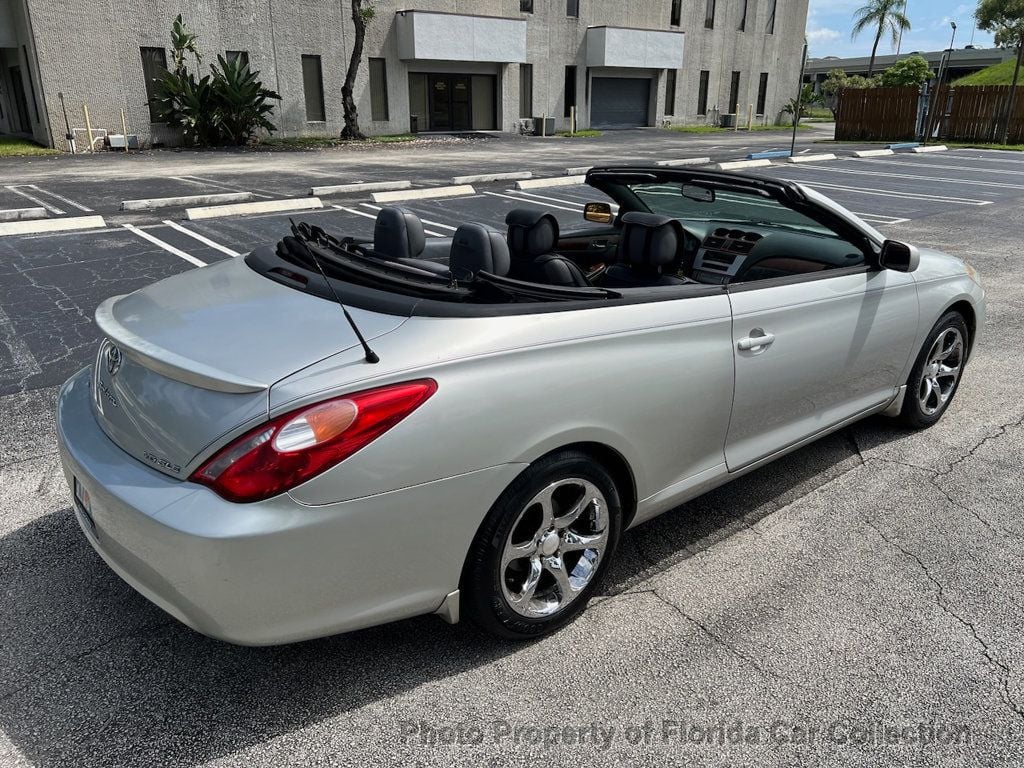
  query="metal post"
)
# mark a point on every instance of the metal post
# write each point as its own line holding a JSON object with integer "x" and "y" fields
{"x": 943, "y": 68}
{"x": 750, "y": 116}
{"x": 799, "y": 95}
{"x": 69, "y": 136}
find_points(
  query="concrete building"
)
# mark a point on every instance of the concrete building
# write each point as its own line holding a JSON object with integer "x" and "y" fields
{"x": 428, "y": 65}
{"x": 962, "y": 62}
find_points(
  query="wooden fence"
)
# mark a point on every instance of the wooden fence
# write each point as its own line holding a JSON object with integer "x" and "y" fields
{"x": 977, "y": 112}
{"x": 877, "y": 114}
{"x": 965, "y": 113}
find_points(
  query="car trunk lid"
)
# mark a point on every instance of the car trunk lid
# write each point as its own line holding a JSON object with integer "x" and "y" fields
{"x": 191, "y": 358}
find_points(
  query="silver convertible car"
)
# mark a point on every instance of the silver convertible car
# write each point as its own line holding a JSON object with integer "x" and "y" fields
{"x": 330, "y": 433}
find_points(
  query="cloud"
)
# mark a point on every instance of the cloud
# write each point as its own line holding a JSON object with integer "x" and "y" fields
{"x": 817, "y": 35}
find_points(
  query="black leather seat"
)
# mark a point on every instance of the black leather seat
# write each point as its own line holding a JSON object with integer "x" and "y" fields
{"x": 649, "y": 254}
{"x": 475, "y": 248}
{"x": 532, "y": 237}
{"x": 398, "y": 236}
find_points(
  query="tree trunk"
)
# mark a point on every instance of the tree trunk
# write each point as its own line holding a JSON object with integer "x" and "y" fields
{"x": 874, "y": 49}
{"x": 348, "y": 103}
{"x": 1013, "y": 91}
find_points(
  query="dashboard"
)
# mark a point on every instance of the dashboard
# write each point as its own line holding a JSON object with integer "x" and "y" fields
{"x": 725, "y": 252}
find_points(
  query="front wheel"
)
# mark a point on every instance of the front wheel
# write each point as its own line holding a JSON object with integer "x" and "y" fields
{"x": 543, "y": 547}
{"x": 936, "y": 374}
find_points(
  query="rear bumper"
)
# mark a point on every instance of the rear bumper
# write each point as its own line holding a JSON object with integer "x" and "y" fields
{"x": 275, "y": 571}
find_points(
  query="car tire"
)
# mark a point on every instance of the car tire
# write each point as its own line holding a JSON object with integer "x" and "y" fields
{"x": 936, "y": 374}
{"x": 533, "y": 565}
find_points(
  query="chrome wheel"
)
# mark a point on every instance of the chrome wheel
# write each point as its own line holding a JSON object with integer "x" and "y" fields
{"x": 554, "y": 548}
{"x": 941, "y": 371}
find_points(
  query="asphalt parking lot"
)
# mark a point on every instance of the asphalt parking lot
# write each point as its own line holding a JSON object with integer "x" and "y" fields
{"x": 855, "y": 603}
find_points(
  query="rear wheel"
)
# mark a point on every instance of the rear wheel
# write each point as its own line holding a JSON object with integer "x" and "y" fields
{"x": 543, "y": 547}
{"x": 936, "y": 374}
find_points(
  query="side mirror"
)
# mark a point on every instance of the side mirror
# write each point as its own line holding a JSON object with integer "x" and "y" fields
{"x": 599, "y": 213}
{"x": 900, "y": 257}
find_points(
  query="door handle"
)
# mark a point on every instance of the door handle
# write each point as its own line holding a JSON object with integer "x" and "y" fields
{"x": 758, "y": 339}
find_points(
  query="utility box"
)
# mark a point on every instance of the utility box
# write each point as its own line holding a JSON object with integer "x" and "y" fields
{"x": 728, "y": 120}
{"x": 117, "y": 141}
{"x": 543, "y": 126}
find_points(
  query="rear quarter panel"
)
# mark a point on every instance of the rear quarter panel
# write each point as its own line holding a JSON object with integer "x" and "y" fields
{"x": 652, "y": 381}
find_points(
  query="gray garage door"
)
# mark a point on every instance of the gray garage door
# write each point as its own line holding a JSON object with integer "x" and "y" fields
{"x": 619, "y": 102}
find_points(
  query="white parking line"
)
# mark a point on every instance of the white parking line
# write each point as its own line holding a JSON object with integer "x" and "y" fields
{"x": 544, "y": 197}
{"x": 535, "y": 202}
{"x": 48, "y": 206}
{"x": 166, "y": 246}
{"x": 943, "y": 166}
{"x": 373, "y": 207}
{"x": 218, "y": 185}
{"x": 903, "y": 195}
{"x": 371, "y": 216}
{"x": 201, "y": 238}
{"x": 63, "y": 199}
{"x": 909, "y": 176}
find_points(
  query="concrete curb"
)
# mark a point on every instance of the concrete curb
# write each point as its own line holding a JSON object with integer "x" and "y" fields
{"x": 484, "y": 177}
{"x": 810, "y": 158}
{"x": 148, "y": 204}
{"x": 264, "y": 206}
{"x": 553, "y": 181}
{"x": 578, "y": 170}
{"x": 735, "y": 165}
{"x": 362, "y": 186}
{"x": 873, "y": 152}
{"x": 930, "y": 148}
{"x": 22, "y": 214}
{"x": 422, "y": 194}
{"x": 684, "y": 161}
{"x": 904, "y": 145}
{"x": 51, "y": 225}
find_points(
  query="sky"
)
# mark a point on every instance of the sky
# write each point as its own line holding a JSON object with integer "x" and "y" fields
{"x": 829, "y": 23}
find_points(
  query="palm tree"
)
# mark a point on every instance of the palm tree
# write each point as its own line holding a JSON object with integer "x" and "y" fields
{"x": 885, "y": 15}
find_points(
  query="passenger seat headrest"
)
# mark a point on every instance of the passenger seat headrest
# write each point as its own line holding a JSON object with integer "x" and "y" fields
{"x": 475, "y": 248}
{"x": 649, "y": 240}
{"x": 398, "y": 234}
{"x": 531, "y": 232}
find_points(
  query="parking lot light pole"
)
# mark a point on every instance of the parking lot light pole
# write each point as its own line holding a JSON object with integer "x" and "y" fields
{"x": 799, "y": 93}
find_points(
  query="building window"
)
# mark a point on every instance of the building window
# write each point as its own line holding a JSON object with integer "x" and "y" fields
{"x": 677, "y": 13}
{"x": 154, "y": 64}
{"x": 702, "y": 92}
{"x": 734, "y": 94}
{"x": 572, "y": 8}
{"x": 743, "y": 18}
{"x": 762, "y": 93}
{"x": 709, "y": 15}
{"x": 313, "y": 88}
{"x": 771, "y": 19}
{"x": 670, "y": 92}
{"x": 526, "y": 6}
{"x": 240, "y": 56}
{"x": 570, "y": 90}
{"x": 379, "y": 89}
{"x": 526, "y": 90}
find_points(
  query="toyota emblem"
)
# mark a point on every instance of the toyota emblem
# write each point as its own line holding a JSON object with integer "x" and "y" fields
{"x": 113, "y": 359}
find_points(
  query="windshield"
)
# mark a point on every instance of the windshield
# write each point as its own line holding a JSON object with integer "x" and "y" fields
{"x": 725, "y": 205}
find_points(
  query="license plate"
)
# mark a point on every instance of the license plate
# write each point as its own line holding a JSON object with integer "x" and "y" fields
{"x": 84, "y": 503}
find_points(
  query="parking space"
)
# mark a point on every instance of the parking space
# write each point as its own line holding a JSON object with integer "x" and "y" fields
{"x": 867, "y": 579}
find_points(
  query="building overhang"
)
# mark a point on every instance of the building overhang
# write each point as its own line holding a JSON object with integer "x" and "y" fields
{"x": 639, "y": 48}
{"x": 8, "y": 39}
{"x": 431, "y": 35}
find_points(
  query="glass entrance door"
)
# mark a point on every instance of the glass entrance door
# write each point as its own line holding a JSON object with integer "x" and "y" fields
{"x": 451, "y": 103}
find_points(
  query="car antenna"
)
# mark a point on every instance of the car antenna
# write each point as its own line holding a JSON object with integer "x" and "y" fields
{"x": 370, "y": 355}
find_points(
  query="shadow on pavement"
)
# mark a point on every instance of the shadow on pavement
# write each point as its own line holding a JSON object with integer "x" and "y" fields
{"x": 92, "y": 674}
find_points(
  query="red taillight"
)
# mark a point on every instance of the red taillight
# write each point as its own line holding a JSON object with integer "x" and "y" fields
{"x": 292, "y": 448}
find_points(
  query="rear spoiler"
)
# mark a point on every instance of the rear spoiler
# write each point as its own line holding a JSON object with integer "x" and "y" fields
{"x": 167, "y": 363}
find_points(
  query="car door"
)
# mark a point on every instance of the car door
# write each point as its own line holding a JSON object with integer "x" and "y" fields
{"x": 812, "y": 351}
